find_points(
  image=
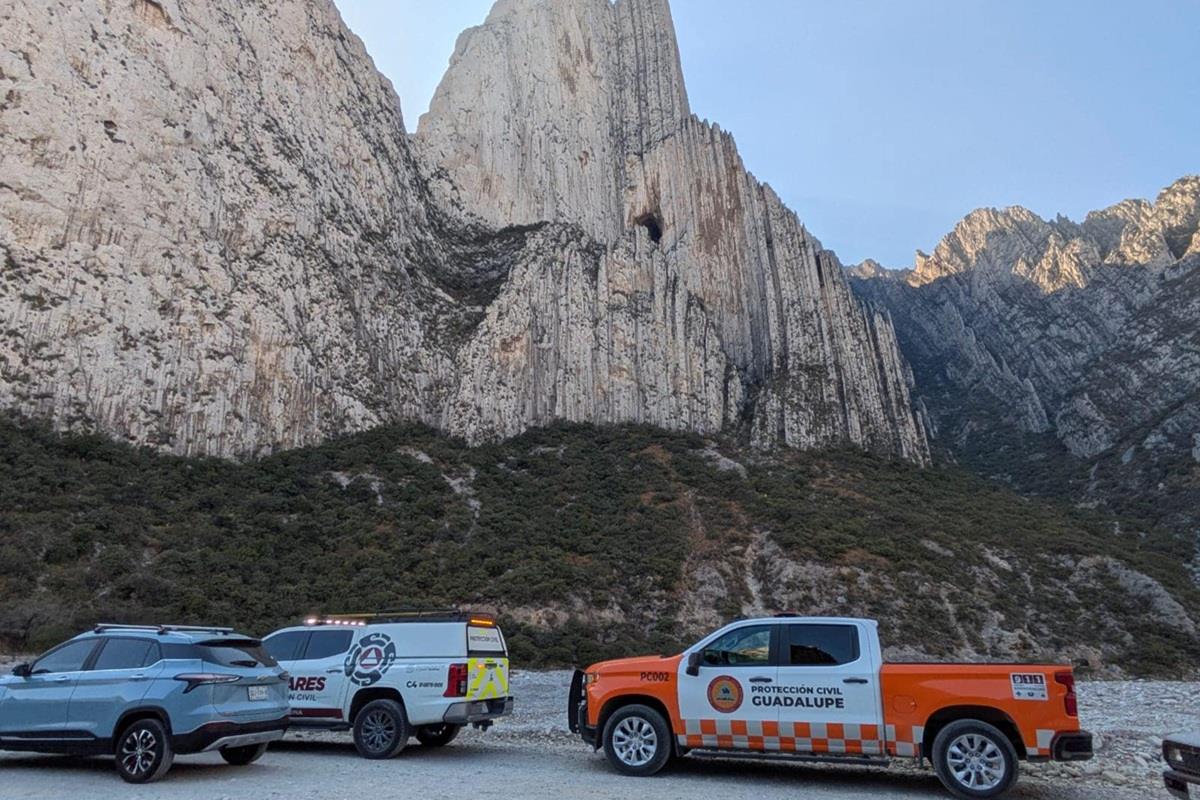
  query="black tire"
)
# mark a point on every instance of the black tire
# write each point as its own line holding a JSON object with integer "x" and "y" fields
{"x": 974, "y": 760}
{"x": 381, "y": 729}
{"x": 637, "y": 741}
{"x": 143, "y": 751}
{"x": 241, "y": 756}
{"x": 437, "y": 735}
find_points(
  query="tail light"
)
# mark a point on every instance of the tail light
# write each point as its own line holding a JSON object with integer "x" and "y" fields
{"x": 456, "y": 681}
{"x": 195, "y": 679}
{"x": 1067, "y": 679}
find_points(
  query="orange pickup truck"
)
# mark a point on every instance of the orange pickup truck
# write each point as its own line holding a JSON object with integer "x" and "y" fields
{"x": 818, "y": 689}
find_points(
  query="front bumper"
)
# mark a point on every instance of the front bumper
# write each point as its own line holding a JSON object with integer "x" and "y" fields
{"x": 1178, "y": 783}
{"x": 476, "y": 711}
{"x": 1074, "y": 746}
{"x": 218, "y": 735}
{"x": 577, "y": 709}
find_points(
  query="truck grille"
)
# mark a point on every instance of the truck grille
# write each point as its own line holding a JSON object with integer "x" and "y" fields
{"x": 1191, "y": 758}
{"x": 574, "y": 699}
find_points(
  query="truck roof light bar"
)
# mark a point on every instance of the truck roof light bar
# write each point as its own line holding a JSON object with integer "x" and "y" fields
{"x": 383, "y": 617}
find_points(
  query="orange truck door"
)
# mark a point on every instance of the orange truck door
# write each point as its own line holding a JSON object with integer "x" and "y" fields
{"x": 827, "y": 693}
{"x": 716, "y": 706}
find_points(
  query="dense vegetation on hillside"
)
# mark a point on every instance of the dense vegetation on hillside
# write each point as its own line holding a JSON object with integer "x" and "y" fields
{"x": 589, "y": 541}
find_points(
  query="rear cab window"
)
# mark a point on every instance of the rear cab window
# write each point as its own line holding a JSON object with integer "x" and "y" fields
{"x": 485, "y": 641}
{"x": 326, "y": 644}
{"x": 820, "y": 645}
{"x": 287, "y": 646}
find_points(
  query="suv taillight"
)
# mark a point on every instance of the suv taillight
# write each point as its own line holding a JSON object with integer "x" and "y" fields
{"x": 1067, "y": 679}
{"x": 194, "y": 679}
{"x": 456, "y": 681}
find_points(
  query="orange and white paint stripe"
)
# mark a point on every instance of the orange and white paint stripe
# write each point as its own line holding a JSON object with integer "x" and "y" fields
{"x": 786, "y": 737}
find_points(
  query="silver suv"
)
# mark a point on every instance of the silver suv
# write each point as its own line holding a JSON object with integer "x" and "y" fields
{"x": 145, "y": 694}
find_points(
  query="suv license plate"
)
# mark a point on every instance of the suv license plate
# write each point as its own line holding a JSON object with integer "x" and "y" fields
{"x": 257, "y": 692}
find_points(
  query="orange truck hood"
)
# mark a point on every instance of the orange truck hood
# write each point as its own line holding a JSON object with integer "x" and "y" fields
{"x": 637, "y": 665}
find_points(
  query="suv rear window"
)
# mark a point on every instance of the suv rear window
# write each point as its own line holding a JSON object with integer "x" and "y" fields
{"x": 226, "y": 652}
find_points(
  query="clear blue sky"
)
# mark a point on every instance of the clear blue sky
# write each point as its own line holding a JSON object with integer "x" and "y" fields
{"x": 882, "y": 123}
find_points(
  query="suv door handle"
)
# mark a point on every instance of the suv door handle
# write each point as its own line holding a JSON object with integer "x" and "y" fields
{"x": 333, "y": 670}
{"x": 760, "y": 679}
{"x": 856, "y": 680}
{"x": 61, "y": 678}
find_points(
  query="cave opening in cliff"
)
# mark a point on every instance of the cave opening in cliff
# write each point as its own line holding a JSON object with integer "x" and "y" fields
{"x": 652, "y": 222}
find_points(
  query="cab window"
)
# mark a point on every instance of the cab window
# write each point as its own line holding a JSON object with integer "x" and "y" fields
{"x": 750, "y": 646}
{"x": 820, "y": 645}
{"x": 70, "y": 657}
{"x": 325, "y": 644}
{"x": 286, "y": 646}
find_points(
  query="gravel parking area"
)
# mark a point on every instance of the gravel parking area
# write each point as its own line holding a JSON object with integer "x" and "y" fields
{"x": 532, "y": 755}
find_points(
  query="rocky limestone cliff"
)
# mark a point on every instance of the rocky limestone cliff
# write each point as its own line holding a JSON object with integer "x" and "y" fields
{"x": 577, "y": 112}
{"x": 209, "y": 226}
{"x": 1035, "y": 341}
{"x": 217, "y": 238}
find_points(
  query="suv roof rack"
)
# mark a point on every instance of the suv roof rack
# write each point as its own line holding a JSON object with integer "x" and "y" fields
{"x": 160, "y": 629}
{"x": 393, "y": 617}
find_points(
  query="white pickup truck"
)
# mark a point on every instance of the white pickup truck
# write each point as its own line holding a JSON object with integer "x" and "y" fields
{"x": 390, "y": 676}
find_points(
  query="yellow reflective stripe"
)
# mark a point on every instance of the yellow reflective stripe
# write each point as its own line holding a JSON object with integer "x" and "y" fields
{"x": 488, "y": 678}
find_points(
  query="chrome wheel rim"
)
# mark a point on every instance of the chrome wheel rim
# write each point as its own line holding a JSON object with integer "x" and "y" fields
{"x": 138, "y": 752}
{"x": 976, "y": 762}
{"x": 635, "y": 742}
{"x": 378, "y": 731}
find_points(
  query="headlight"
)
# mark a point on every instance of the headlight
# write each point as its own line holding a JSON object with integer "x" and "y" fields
{"x": 1174, "y": 754}
{"x": 590, "y": 678}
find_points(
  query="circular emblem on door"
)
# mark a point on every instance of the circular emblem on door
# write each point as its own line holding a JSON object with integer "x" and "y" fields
{"x": 725, "y": 694}
{"x": 370, "y": 659}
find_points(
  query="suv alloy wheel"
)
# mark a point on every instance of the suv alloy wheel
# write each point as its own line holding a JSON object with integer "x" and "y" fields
{"x": 143, "y": 752}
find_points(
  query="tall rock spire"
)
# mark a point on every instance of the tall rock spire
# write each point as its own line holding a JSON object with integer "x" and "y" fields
{"x": 576, "y": 111}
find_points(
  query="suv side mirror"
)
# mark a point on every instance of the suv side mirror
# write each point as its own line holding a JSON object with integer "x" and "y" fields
{"x": 22, "y": 671}
{"x": 693, "y": 664}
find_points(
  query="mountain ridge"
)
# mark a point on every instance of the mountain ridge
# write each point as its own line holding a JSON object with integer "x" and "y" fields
{"x": 1061, "y": 355}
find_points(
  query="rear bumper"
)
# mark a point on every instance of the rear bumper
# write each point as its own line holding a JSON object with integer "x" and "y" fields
{"x": 218, "y": 735}
{"x": 1178, "y": 783}
{"x": 1074, "y": 746}
{"x": 475, "y": 711}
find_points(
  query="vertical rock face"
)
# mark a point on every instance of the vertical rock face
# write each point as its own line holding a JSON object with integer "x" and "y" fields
{"x": 1034, "y": 340}
{"x": 216, "y": 237}
{"x": 208, "y": 225}
{"x": 576, "y": 112}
